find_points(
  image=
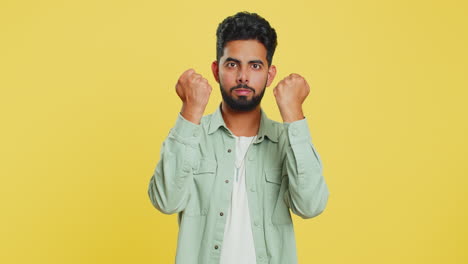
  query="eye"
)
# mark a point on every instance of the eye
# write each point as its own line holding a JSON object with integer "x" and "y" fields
{"x": 231, "y": 64}
{"x": 256, "y": 66}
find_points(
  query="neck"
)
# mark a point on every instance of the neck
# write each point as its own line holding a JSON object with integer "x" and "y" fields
{"x": 245, "y": 124}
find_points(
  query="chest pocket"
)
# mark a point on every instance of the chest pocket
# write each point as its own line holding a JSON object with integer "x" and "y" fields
{"x": 200, "y": 193}
{"x": 273, "y": 175}
{"x": 206, "y": 166}
{"x": 275, "y": 206}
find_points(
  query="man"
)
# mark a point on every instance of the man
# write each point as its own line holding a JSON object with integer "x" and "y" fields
{"x": 233, "y": 176}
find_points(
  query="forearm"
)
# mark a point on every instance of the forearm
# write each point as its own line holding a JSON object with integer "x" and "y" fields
{"x": 307, "y": 193}
{"x": 169, "y": 187}
{"x": 291, "y": 114}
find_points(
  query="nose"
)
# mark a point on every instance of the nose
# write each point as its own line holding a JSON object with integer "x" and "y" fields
{"x": 242, "y": 76}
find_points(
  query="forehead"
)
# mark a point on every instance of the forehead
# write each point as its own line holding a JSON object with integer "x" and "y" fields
{"x": 245, "y": 50}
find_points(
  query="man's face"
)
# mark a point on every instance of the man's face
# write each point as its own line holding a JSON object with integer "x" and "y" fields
{"x": 243, "y": 74}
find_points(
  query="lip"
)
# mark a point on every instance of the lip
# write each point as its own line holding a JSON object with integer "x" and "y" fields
{"x": 241, "y": 91}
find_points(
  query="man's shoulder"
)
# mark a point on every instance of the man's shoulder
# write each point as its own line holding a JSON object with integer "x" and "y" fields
{"x": 276, "y": 127}
{"x": 274, "y": 123}
{"x": 206, "y": 119}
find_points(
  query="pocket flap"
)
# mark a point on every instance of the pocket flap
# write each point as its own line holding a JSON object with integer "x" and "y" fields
{"x": 206, "y": 166}
{"x": 273, "y": 175}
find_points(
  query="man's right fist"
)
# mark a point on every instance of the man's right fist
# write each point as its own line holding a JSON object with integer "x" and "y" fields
{"x": 194, "y": 91}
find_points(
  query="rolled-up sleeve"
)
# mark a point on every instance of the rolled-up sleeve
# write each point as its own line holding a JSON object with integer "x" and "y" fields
{"x": 307, "y": 192}
{"x": 169, "y": 187}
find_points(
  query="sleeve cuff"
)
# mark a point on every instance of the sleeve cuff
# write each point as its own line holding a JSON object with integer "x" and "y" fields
{"x": 186, "y": 131}
{"x": 298, "y": 131}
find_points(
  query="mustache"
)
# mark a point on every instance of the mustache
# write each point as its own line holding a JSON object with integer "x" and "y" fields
{"x": 243, "y": 86}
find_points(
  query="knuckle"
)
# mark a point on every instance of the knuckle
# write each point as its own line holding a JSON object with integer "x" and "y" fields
{"x": 187, "y": 73}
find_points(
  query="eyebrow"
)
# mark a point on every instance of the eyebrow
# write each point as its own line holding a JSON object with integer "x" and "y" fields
{"x": 238, "y": 61}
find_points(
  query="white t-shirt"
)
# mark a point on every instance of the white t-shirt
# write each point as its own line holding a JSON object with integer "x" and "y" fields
{"x": 238, "y": 245}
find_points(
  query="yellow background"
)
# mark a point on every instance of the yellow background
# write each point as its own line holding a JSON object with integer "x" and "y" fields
{"x": 87, "y": 97}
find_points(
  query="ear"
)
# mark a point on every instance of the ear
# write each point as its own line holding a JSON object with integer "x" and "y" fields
{"x": 271, "y": 74}
{"x": 215, "y": 70}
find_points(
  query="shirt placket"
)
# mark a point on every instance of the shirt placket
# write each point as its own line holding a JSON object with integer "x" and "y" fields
{"x": 256, "y": 213}
{"x": 224, "y": 201}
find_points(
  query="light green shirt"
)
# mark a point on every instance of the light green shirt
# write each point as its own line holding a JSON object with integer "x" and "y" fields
{"x": 194, "y": 178}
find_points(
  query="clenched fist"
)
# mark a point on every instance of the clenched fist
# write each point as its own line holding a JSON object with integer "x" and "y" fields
{"x": 290, "y": 93}
{"x": 194, "y": 91}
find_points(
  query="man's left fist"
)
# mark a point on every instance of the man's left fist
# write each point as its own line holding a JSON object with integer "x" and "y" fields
{"x": 290, "y": 93}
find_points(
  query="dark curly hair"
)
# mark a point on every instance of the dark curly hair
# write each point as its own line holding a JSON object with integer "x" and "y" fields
{"x": 245, "y": 26}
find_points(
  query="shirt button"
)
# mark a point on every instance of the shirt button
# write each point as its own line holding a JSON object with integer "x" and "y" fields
{"x": 221, "y": 214}
{"x": 251, "y": 157}
{"x": 252, "y": 189}
{"x": 226, "y": 181}
{"x": 295, "y": 132}
{"x": 300, "y": 167}
{"x": 216, "y": 247}
{"x": 229, "y": 150}
{"x": 195, "y": 133}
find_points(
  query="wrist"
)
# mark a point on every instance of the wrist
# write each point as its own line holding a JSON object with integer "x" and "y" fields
{"x": 291, "y": 115}
{"x": 191, "y": 113}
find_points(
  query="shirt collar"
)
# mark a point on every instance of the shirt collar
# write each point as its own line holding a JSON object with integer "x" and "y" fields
{"x": 267, "y": 126}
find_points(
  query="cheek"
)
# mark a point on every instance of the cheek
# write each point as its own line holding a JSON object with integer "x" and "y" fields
{"x": 227, "y": 78}
{"x": 259, "y": 80}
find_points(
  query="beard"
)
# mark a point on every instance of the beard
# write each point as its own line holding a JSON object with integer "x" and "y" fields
{"x": 242, "y": 104}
